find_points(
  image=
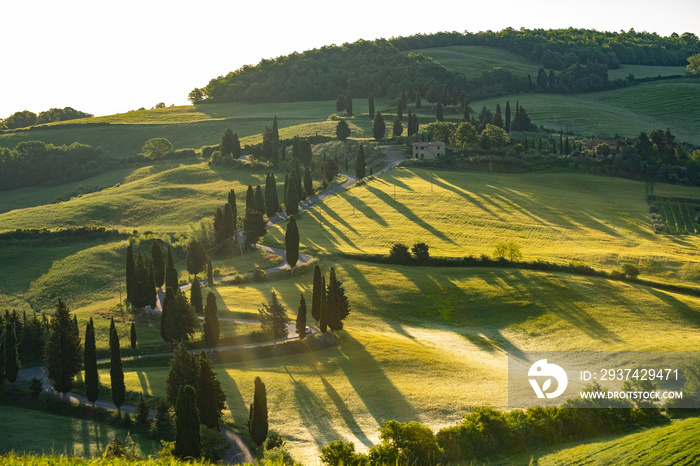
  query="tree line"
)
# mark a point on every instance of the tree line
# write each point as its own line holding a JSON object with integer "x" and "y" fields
{"x": 580, "y": 57}
{"x": 33, "y": 163}
{"x": 26, "y": 118}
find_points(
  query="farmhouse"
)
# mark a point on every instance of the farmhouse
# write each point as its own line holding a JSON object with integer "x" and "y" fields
{"x": 428, "y": 150}
{"x": 614, "y": 145}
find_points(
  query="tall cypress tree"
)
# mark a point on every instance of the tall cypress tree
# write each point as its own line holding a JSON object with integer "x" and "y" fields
{"x": 301, "y": 318}
{"x": 211, "y": 398}
{"x": 116, "y": 372}
{"x": 291, "y": 202}
{"x": 11, "y": 354}
{"x": 212, "y": 328}
{"x": 158, "y": 264}
{"x": 418, "y": 99}
{"x": 187, "y": 438}
{"x": 130, "y": 272}
{"x": 378, "y": 127}
{"x": 151, "y": 291}
{"x": 226, "y": 146}
{"x": 250, "y": 199}
{"x": 507, "y": 117}
{"x": 210, "y": 274}
{"x": 196, "y": 296}
{"x": 308, "y": 183}
{"x": 323, "y": 320}
{"x": 63, "y": 351}
{"x": 316, "y": 294}
{"x": 371, "y": 106}
{"x": 228, "y": 227}
{"x": 259, "y": 200}
{"x": 132, "y": 335}
{"x": 338, "y": 304}
{"x": 439, "y": 113}
{"x": 92, "y": 380}
{"x": 360, "y": 163}
{"x": 235, "y": 147}
{"x": 270, "y": 207}
{"x": 257, "y": 419}
{"x": 273, "y": 318}
{"x": 291, "y": 242}
{"x": 348, "y": 103}
{"x": 231, "y": 198}
{"x": 171, "y": 276}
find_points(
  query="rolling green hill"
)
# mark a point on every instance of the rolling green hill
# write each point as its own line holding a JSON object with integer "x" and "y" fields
{"x": 472, "y": 60}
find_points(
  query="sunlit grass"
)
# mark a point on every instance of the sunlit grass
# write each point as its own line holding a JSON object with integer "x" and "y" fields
{"x": 559, "y": 217}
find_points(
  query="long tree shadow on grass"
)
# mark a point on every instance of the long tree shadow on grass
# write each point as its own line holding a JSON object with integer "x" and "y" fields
{"x": 314, "y": 415}
{"x": 410, "y": 216}
{"x": 370, "y": 213}
{"x": 234, "y": 399}
{"x": 383, "y": 400}
{"x": 688, "y": 315}
{"x": 332, "y": 233}
{"x": 331, "y": 213}
{"x": 345, "y": 413}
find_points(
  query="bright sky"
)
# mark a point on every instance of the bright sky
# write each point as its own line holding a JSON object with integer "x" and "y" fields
{"x": 110, "y": 57}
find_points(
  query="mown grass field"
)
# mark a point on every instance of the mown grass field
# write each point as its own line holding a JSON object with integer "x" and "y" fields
{"x": 668, "y": 445}
{"x": 428, "y": 344}
{"x": 26, "y": 431}
{"x": 472, "y": 60}
{"x": 560, "y": 217}
{"x": 625, "y": 112}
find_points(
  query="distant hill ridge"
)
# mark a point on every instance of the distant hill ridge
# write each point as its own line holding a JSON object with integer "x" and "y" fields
{"x": 383, "y": 67}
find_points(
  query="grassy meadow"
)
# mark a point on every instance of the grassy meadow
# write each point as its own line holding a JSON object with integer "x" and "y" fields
{"x": 429, "y": 344}
{"x": 26, "y": 431}
{"x": 472, "y": 60}
{"x": 555, "y": 216}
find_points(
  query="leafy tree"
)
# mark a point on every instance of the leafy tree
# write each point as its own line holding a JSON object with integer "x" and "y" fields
{"x": 693, "y": 65}
{"x": 316, "y": 294}
{"x": 211, "y": 398}
{"x": 257, "y": 418}
{"x": 411, "y": 443}
{"x": 398, "y": 127}
{"x": 291, "y": 242}
{"x": 226, "y": 146}
{"x": 20, "y": 120}
{"x": 329, "y": 169}
{"x": 270, "y": 144}
{"x": 304, "y": 152}
{"x": 178, "y": 319}
{"x": 183, "y": 371}
{"x": 156, "y": 148}
{"x": 10, "y": 353}
{"x": 254, "y": 227}
{"x": 371, "y": 106}
{"x": 493, "y": 137}
{"x": 116, "y": 372}
{"x": 196, "y": 258}
{"x": 341, "y": 452}
{"x": 92, "y": 379}
{"x": 212, "y": 328}
{"x": 273, "y": 318}
{"x": 337, "y": 301}
{"x": 187, "y": 437}
{"x": 398, "y": 254}
{"x": 441, "y": 131}
{"x": 342, "y": 131}
{"x": 507, "y": 250}
{"x": 378, "y": 127}
{"x": 171, "y": 275}
{"x": 360, "y": 163}
{"x": 158, "y": 264}
{"x": 196, "y": 296}
{"x": 301, "y": 318}
{"x": 132, "y": 336}
{"x": 421, "y": 253}
{"x": 196, "y": 96}
{"x": 465, "y": 134}
{"x": 63, "y": 351}
{"x": 439, "y": 112}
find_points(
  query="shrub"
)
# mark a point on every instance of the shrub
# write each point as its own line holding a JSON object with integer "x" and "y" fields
{"x": 631, "y": 271}
{"x": 339, "y": 452}
{"x": 259, "y": 276}
{"x": 654, "y": 209}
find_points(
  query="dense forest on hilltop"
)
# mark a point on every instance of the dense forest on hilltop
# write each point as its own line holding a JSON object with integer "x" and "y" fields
{"x": 580, "y": 58}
